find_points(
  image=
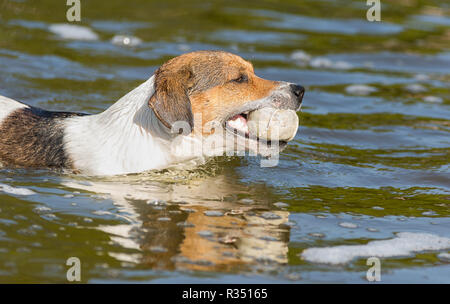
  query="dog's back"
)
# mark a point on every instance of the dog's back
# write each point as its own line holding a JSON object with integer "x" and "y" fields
{"x": 30, "y": 136}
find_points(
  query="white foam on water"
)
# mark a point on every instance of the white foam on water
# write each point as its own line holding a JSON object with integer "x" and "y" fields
{"x": 123, "y": 40}
{"x": 73, "y": 32}
{"x": 404, "y": 244}
{"x": 17, "y": 191}
{"x": 360, "y": 89}
{"x": 433, "y": 99}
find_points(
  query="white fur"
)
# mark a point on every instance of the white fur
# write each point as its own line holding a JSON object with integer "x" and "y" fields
{"x": 7, "y": 106}
{"x": 126, "y": 138}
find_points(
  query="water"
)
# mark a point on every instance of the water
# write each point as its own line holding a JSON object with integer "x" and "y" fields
{"x": 366, "y": 163}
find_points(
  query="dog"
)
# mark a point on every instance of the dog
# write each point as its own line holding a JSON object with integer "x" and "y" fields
{"x": 190, "y": 101}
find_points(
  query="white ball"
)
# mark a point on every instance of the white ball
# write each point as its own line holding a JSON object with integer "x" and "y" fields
{"x": 273, "y": 124}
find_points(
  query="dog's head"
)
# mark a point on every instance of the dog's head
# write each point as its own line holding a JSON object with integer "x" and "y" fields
{"x": 222, "y": 89}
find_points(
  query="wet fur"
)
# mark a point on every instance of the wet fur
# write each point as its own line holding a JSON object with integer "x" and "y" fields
{"x": 32, "y": 137}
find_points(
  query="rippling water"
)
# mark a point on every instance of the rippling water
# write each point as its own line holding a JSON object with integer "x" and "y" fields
{"x": 370, "y": 160}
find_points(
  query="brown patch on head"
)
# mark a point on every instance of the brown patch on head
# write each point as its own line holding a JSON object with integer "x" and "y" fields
{"x": 209, "y": 83}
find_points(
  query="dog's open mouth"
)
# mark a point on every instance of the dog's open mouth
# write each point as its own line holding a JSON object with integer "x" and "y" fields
{"x": 238, "y": 124}
{"x": 264, "y": 125}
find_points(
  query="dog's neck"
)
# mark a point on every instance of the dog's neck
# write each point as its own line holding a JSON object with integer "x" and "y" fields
{"x": 125, "y": 138}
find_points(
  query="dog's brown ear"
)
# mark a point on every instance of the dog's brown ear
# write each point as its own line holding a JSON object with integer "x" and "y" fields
{"x": 170, "y": 102}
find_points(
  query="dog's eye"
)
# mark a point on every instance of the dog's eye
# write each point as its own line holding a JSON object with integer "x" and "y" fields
{"x": 243, "y": 78}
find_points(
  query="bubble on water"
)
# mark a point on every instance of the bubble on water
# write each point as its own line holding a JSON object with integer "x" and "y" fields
{"x": 317, "y": 234}
{"x": 164, "y": 219}
{"x": 433, "y": 99}
{"x": 158, "y": 249}
{"x": 73, "y": 32}
{"x": 444, "y": 256}
{"x": 126, "y": 40}
{"x": 281, "y": 205}
{"x": 184, "y": 47}
{"x": 348, "y": 225}
{"x": 185, "y": 224}
{"x": 23, "y": 250}
{"x": 158, "y": 207}
{"x": 300, "y": 57}
{"x": 49, "y": 216}
{"x": 7, "y": 222}
{"x": 188, "y": 210}
{"x": 377, "y": 208}
{"x": 69, "y": 196}
{"x": 341, "y": 65}
{"x": 234, "y": 47}
{"x": 36, "y": 227}
{"x": 360, "y": 89}
{"x": 228, "y": 239}
{"x": 290, "y": 224}
{"x": 415, "y": 88}
{"x": 372, "y": 229}
{"x": 20, "y": 217}
{"x": 205, "y": 233}
{"x": 16, "y": 191}
{"x": 87, "y": 220}
{"x": 404, "y": 244}
{"x": 246, "y": 201}
{"x": 320, "y": 216}
{"x": 41, "y": 209}
{"x": 428, "y": 213}
{"x": 321, "y": 62}
{"x": 270, "y": 216}
{"x": 293, "y": 276}
{"x": 202, "y": 262}
{"x": 101, "y": 265}
{"x": 157, "y": 203}
{"x": 101, "y": 212}
{"x": 213, "y": 213}
{"x": 421, "y": 77}
{"x": 235, "y": 212}
{"x": 180, "y": 259}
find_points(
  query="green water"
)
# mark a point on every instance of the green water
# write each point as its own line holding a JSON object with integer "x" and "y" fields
{"x": 378, "y": 161}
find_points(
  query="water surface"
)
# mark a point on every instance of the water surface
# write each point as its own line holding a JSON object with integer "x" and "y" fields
{"x": 364, "y": 166}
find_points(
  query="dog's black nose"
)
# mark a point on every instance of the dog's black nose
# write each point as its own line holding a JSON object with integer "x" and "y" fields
{"x": 298, "y": 90}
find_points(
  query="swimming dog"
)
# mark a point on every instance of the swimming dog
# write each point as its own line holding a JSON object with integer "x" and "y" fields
{"x": 186, "y": 103}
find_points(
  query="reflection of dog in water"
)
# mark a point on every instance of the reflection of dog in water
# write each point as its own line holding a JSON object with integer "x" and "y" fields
{"x": 202, "y": 224}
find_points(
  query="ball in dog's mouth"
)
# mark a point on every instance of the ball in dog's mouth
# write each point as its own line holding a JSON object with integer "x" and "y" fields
{"x": 268, "y": 124}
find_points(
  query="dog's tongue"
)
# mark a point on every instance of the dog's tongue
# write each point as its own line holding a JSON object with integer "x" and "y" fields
{"x": 238, "y": 122}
